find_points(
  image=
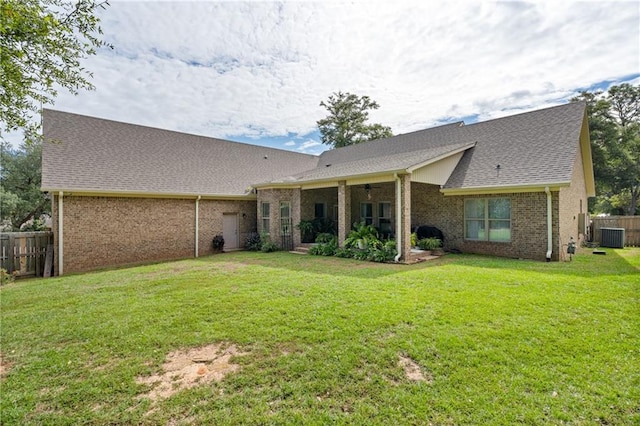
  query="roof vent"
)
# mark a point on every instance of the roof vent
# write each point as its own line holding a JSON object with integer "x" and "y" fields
{"x": 328, "y": 165}
{"x": 266, "y": 157}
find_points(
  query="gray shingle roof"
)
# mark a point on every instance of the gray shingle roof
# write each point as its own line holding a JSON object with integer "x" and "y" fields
{"x": 82, "y": 153}
{"x": 537, "y": 147}
{"x": 533, "y": 148}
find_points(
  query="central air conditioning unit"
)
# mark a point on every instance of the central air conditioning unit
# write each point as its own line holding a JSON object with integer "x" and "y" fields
{"x": 612, "y": 237}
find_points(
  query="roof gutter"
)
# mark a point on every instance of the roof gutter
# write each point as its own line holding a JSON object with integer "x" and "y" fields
{"x": 549, "y": 224}
{"x": 197, "y": 225}
{"x": 250, "y": 195}
{"x": 398, "y": 217}
{"x": 60, "y": 234}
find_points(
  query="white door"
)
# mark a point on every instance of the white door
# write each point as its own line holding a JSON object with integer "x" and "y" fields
{"x": 230, "y": 231}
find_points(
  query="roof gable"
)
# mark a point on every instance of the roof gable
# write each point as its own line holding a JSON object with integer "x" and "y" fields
{"x": 534, "y": 148}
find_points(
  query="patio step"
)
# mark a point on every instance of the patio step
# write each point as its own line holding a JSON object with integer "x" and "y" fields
{"x": 301, "y": 249}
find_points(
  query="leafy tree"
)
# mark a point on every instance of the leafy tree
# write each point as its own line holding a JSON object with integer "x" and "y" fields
{"x": 347, "y": 124}
{"x": 614, "y": 126}
{"x": 20, "y": 177}
{"x": 41, "y": 45}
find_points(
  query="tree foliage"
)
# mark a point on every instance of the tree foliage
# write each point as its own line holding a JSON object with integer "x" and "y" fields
{"x": 347, "y": 123}
{"x": 614, "y": 126}
{"x": 41, "y": 45}
{"x": 20, "y": 177}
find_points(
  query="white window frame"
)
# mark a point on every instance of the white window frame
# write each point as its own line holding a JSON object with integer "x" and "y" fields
{"x": 285, "y": 229}
{"x": 367, "y": 219}
{"x": 487, "y": 221}
{"x": 266, "y": 218}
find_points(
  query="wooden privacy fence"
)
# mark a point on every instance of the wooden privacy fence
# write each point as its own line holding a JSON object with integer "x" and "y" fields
{"x": 631, "y": 225}
{"x": 25, "y": 253}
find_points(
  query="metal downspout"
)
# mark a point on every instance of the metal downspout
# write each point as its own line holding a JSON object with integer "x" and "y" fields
{"x": 398, "y": 217}
{"x": 197, "y": 226}
{"x": 549, "y": 224}
{"x": 60, "y": 235}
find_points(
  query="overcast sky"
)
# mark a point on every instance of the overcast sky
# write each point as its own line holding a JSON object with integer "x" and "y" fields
{"x": 257, "y": 71}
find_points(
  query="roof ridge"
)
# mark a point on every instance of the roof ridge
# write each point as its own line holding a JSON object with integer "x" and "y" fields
{"x": 176, "y": 132}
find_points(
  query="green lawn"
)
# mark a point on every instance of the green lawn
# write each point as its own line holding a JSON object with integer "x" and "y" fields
{"x": 497, "y": 341}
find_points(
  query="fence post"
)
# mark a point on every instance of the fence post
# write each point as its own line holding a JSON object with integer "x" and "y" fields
{"x": 11, "y": 253}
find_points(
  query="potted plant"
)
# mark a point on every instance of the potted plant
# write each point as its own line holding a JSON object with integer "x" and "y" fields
{"x": 306, "y": 228}
{"x": 218, "y": 243}
{"x": 429, "y": 244}
{"x": 361, "y": 236}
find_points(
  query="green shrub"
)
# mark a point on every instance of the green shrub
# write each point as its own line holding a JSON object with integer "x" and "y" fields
{"x": 344, "y": 252}
{"x": 325, "y": 237}
{"x": 327, "y": 245}
{"x": 267, "y": 246}
{"x": 306, "y": 230}
{"x": 253, "y": 242}
{"x": 429, "y": 243}
{"x": 218, "y": 243}
{"x": 361, "y": 236}
{"x": 6, "y": 277}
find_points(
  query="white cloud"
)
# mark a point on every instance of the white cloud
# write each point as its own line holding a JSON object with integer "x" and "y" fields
{"x": 260, "y": 69}
{"x": 307, "y": 146}
{"x": 290, "y": 143}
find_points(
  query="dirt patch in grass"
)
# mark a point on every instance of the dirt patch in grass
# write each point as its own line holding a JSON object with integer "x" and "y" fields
{"x": 5, "y": 365}
{"x": 412, "y": 370}
{"x": 184, "y": 369}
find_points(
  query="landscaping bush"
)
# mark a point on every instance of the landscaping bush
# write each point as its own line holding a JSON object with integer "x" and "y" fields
{"x": 327, "y": 245}
{"x": 429, "y": 243}
{"x": 385, "y": 252}
{"x": 361, "y": 236}
{"x": 218, "y": 243}
{"x": 268, "y": 246}
{"x": 253, "y": 242}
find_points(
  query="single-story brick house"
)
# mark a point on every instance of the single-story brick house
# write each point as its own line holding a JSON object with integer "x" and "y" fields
{"x": 516, "y": 186}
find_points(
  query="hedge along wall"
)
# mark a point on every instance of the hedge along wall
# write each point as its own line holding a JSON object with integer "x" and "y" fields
{"x": 113, "y": 231}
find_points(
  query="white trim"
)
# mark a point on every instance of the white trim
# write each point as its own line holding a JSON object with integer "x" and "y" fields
{"x": 60, "y": 234}
{"x": 398, "y": 219}
{"x": 503, "y": 189}
{"x": 440, "y": 157}
{"x": 549, "y": 224}
{"x": 197, "y": 225}
{"x": 141, "y": 194}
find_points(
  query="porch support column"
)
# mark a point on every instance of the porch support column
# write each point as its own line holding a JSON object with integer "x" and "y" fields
{"x": 405, "y": 219}
{"x": 344, "y": 211}
{"x": 296, "y": 217}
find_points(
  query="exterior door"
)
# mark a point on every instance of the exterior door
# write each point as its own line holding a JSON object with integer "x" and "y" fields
{"x": 230, "y": 231}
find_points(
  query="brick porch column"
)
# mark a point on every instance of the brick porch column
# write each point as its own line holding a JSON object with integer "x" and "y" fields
{"x": 344, "y": 211}
{"x": 296, "y": 204}
{"x": 405, "y": 182}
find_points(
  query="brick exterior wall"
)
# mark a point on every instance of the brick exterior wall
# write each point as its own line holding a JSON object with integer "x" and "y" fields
{"x": 210, "y": 221}
{"x": 274, "y": 197}
{"x": 380, "y": 192}
{"x": 573, "y": 201}
{"x": 528, "y": 222}
{"x": 102, "y": 232}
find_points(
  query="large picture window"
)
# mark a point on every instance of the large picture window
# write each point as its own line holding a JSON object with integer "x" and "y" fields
{"x": 487, "y": 219}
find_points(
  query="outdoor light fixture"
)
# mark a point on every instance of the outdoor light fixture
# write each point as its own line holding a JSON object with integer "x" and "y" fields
{"x": 367, "y": 189}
